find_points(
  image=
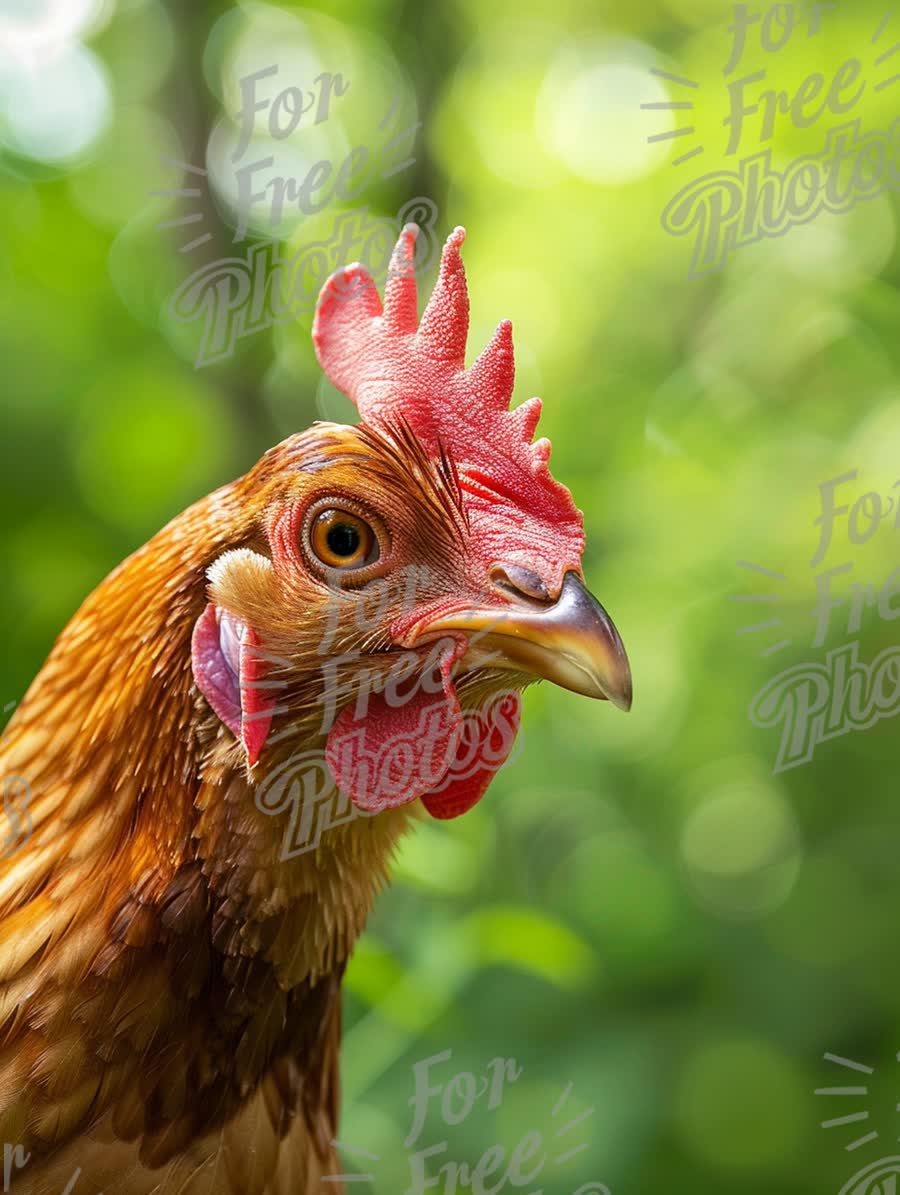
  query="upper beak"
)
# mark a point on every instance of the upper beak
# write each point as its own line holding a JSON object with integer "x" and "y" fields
{"x": 572, "y": 642}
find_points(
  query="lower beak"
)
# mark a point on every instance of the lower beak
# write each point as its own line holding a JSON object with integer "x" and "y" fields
{"x": 572, "y": 643}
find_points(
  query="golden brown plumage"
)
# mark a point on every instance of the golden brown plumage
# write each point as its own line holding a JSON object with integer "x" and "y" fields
{"x": 169, "y": 980}
{"x": 155, "y": 954}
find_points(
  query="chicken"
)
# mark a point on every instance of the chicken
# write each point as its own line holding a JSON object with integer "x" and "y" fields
{"x": 170, "y": 973}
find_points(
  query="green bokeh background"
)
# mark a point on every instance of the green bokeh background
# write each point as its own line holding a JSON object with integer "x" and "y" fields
{"x": 641, "y": 908}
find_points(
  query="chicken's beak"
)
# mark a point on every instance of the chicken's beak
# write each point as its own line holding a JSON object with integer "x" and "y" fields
{"x": 571, "y": 642}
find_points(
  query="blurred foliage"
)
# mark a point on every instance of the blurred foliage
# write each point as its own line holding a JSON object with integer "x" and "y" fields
{"x": 641, "y": 907}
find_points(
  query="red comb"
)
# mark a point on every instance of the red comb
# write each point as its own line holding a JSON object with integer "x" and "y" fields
{"x": 390, "y": 363}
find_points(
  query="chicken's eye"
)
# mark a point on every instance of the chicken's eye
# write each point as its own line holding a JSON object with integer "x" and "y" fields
{"x": 339, "y": 539}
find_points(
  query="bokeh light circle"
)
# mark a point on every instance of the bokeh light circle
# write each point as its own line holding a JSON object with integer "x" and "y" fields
{"x": 55, "y": 110}
{"x": 590, "y": 115}
{"x": 740, "y": 1105}
{"x": 741, "y": 848}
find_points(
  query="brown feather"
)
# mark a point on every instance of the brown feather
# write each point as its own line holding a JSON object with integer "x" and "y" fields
{"x": 169, "y": 984}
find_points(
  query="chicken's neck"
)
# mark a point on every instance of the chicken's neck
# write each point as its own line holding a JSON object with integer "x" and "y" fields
{"x": 303, "y": 896}
{"x": 134, "y": 778}
{"x": 161, "y": 962}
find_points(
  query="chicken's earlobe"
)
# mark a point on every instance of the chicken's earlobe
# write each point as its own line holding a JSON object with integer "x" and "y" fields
{"x": 214, "y": 668}
{"x": 226, "y": 653}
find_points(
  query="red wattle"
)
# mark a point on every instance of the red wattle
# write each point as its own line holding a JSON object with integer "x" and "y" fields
{"x": 399, "y": 746}
{"x": 256, "y": 706}
{"x": 482, "y": 750}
